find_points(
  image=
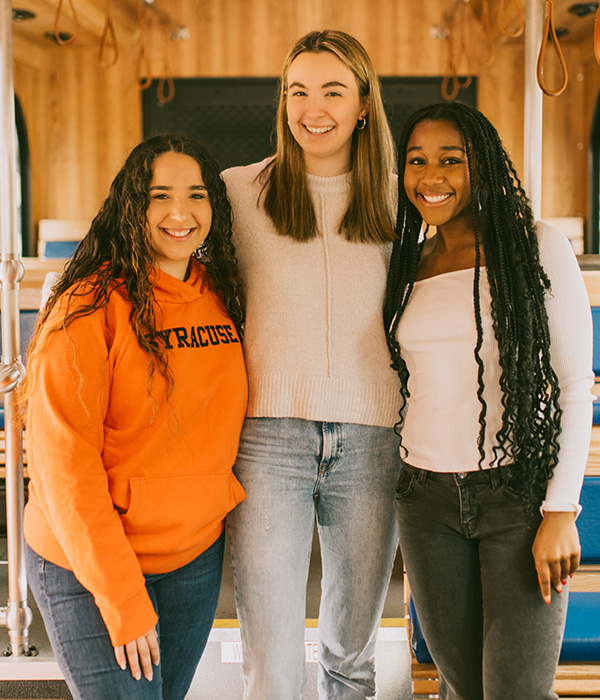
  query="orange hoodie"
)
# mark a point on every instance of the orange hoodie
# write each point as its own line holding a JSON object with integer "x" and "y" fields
{"x": 123, "y": 483}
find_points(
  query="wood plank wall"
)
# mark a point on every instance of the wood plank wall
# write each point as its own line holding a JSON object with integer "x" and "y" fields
{"x": 84, "y": 119}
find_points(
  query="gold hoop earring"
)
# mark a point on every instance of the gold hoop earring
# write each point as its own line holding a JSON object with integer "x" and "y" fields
{"x": 361, "y": 123}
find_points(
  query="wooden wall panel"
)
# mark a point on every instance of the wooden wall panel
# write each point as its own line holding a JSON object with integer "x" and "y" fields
{"x": 564, "y": 158}
{"x": 501, "y": 98}
{"x": 84, "y": 119}
{"x": 31, "y": 86}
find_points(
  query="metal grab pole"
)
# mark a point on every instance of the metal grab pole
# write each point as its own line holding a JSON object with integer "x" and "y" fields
{"x": 17, "y": 615}
{"x": 532, "y": 141}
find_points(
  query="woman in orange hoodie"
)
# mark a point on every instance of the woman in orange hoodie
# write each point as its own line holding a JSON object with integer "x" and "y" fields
{"x": 136, "y": 393}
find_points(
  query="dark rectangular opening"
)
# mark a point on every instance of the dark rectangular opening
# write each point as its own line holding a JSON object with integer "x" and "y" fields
{"x": 235, "y": 117}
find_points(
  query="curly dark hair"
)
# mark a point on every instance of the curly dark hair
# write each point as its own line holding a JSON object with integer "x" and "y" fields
{"x": 503, "y": 224}
{"x": 117, "y": 253}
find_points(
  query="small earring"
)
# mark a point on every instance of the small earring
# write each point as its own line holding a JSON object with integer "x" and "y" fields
{"x": 361, "y": 123}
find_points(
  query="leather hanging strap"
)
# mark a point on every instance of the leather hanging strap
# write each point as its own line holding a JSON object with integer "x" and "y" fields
{"x": 144, "y": 69}
{"x": 520, "y": 16}
{"x": 109, "y": 31}
{"x": 71, "y": 39}
{"x": 549, "y": 31}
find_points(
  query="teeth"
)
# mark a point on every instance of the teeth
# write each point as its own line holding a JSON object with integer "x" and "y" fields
{"x": 178, "y": 233}
{"x": 434, "y": 199}
{"x": 318, "y": 129}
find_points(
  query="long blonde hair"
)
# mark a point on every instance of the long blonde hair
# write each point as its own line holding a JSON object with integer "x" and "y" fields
{"x": 369, "y": 217}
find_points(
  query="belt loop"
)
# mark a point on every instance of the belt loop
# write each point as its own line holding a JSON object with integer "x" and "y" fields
{"x": 495, "y": 477}
{"x": 423, "y": 474}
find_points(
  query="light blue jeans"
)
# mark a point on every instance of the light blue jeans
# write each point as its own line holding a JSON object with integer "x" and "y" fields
{"x": 346, "y": 474}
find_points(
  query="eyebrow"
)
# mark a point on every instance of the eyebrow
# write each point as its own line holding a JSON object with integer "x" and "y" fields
{"x": 331, "y": 83}
{"x": 167, "y": 187}
{"x": 442, "y": 148}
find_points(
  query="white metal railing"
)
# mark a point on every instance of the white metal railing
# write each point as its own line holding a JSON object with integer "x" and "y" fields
{"x": 16, "y": 616}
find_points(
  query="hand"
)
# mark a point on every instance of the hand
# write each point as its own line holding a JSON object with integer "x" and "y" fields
{"x": 142, "y": 651}
{"x": 556, "y": 551}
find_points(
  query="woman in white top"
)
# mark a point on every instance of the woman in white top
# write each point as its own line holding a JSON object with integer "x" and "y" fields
{"x": 489, "y": 327}
{"x": 313, "y": 228}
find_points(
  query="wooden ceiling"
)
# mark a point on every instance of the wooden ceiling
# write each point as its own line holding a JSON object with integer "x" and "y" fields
{"x": 572, "y": 27}
{"x": 92, "y": 17}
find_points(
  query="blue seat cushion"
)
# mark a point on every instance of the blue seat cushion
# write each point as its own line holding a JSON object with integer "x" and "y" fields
{"x": 582, "y": 631}
{"x": 596, "y": 325}
{"x": 588, "y": 522}
{"x": 60, "y": 249}
{"x": 417, "y": 640}
{"x": 27, "y": 319}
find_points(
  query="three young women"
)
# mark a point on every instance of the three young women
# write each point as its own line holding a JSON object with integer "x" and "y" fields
{"x": 312, "y": 230}
{"x": 490, "y": 332}
{"x": 136, "y": 393}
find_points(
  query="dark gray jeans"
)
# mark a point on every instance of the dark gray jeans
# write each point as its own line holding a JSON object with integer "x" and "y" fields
{"x": 467, "y": 550}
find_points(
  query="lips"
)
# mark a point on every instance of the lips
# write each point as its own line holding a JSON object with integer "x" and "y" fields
{"x": 435, "y": 199}
{"x": 318, "y": 129}
{"x": 177, "y": 232}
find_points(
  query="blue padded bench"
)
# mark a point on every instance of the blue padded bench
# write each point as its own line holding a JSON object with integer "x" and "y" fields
{"x": 596, "y": 357}
{"x": 60, "y": 249}
{"x": 417, "y": 640}
{"x": 588, "y": 522}
{"x": 582, "y": 632}
{"x": 27, "y": 319}
{"x": 596, "y": 351}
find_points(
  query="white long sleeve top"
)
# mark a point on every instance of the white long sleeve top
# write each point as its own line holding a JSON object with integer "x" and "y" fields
{"x": 314, "y": 343}
{"x": 437, "y": 336}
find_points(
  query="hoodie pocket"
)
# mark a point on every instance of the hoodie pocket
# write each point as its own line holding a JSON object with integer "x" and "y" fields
{"x": 171, "y": 514}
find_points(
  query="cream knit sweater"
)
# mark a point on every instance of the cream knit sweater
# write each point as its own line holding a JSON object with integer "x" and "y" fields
{"x": 315, "y": 345}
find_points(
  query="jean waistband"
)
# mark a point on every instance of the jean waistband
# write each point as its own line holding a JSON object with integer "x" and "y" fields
{"x": 495, "y": 476}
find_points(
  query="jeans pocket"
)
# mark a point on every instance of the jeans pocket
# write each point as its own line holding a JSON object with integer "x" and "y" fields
{"x": 406, "y": 484}
{"x": 510, "y": 492}
{"x": 510, "y": 484}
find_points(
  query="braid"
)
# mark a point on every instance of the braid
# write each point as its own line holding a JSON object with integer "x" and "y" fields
{"x": 504, "y": 226}
{"x": 477, "y": 310}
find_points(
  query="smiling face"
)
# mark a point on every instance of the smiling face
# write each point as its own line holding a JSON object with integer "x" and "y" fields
{"x": 436, "y": 176}
{"x": 179, "y": 215}
{"x": 323, "y": 106}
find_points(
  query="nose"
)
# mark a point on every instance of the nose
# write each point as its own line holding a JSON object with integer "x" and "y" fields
{"x": 178, "y": 210}
{"x": 432, "y": 173}
{"x": 315, "y": 105}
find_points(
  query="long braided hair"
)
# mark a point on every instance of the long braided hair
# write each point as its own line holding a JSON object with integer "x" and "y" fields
{"x": 116, "y": 253}
{"x": 504, "y": 226}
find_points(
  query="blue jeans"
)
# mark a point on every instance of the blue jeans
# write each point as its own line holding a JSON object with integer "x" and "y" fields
{"x": 346, "y": 474}
{"x": 466, "y": 545}
{"x": 185, "y": 601}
